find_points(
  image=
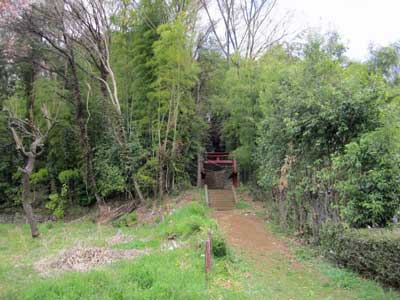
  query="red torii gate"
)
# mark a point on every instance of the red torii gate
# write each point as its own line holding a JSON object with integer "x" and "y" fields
{"x": 219, "y": 159}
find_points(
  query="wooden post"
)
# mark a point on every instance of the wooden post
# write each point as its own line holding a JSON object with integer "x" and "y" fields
{"x": 210, "y": 238}
{"x": 234, "y": 194}
{"x": 206, "y": 195}
{"x": 208, "y": 255}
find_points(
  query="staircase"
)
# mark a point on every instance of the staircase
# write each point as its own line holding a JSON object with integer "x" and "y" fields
{"x": 221, "y": 199}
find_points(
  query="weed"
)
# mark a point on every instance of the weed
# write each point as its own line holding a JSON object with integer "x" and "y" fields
{"x": 242, "y": 204}
{"x": 219, "y": 246}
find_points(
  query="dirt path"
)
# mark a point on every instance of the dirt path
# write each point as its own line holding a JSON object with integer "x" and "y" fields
{"x": 274, "y": 272}
{"x": 247, "y": 232}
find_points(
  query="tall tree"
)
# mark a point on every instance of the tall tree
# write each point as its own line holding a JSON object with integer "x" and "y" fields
{"x": 246, "y": 27}
{"x": 47, "y": 21}
{"x": 29, "y": 137}
{"x": 89, "y": 28}
{"x": 176, "y": 74}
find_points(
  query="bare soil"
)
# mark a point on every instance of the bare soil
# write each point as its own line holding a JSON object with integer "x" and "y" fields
{"x": 83, "y": 259}
{"x": 248, "y": 233}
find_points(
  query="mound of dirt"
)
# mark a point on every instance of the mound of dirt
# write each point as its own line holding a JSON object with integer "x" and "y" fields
{"x": 83, "y": 259}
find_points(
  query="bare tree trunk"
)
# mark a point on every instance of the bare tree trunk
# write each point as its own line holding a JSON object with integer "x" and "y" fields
{"x": 25, "y": 198}
{"x": 137, "y": 190}
{"x": 126, "y": 157}
{"x": 83, "y": 136}
{"x": 199, "y": 169}
{"x": 121, "y": 136}
{"x": 160, "y": 175}
{"x": 103, "y": 86}
{"x": 161, "y": 183}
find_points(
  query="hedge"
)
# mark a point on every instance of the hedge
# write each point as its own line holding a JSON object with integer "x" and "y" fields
{"x": 374, "y": 253}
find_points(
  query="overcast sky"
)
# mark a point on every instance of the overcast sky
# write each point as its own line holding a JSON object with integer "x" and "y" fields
{"x": 360, "y": 22}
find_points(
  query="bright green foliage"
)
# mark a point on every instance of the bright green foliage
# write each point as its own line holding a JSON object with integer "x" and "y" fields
{"x": 58, "y": 202}
{"x": 187, "y": 221}
{"x": 177, "y": 128}
{"x": 313, "y": 108}
{"x": 237, "y": 104}
{"x": 109, "y": 174}
{"x": 40, "y": 176}
{"x": 156, "y": 74}
{"x": 369, "y": 175}
{"x": 146, "y": 176}
{"x": 67, "y": 176}
{"x": 314, "y": 133}
{"x": 74, "y": 189}
{"x": 133, "y": 56}
{"x": 219, "y": 245}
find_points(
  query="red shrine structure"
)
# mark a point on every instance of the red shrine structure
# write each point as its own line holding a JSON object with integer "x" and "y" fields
{"x": 220, "y": 160}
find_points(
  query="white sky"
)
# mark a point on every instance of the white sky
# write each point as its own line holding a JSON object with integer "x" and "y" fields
{"x": 359, "y": 22}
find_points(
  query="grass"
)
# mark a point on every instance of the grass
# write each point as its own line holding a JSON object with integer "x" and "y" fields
{"x": 163, "y": 274}
{"x": 316, "y": 278}
{"x": 343, "y": 279}
{"x": 168, "y": 274}
{"x": 278, "y": 278}
{"x": 242, "y": 204}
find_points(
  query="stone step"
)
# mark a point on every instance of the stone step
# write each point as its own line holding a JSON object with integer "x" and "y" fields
{"x": 222, "y": 209}
{"x": 221, "y": 199}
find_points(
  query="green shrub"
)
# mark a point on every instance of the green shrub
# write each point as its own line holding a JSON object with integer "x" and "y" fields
{"x": 185, "y": 227}
{"x": 219, "y": 247}
{"x": 372, "y": 252}
{"x": 146, "y": 176}
{"x": 76, "y": 190}
{"x": 193, "y": 224}
{"x": 41, "y": 176}
{"x": 127, "y": 220}
{"x": 109, "y": 172}
{"x": 66, "y": 176}
{"x": 369, "y": 172}
{"x": 57, "y": 202}
{"x": 195, "y": 208}
{"x": 186, "y": 221}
